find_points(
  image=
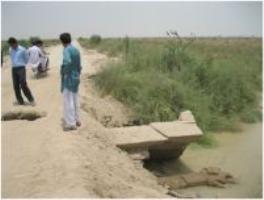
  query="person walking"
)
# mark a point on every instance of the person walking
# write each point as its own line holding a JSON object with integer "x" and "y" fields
{"x": 19, "y": 59}
{"x": 70, "y": 79}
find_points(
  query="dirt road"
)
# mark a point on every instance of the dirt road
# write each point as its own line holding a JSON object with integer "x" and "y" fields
{"x": 40, "y": 160}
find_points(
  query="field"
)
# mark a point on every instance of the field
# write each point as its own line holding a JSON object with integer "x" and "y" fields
{"x": 218, "y": 79}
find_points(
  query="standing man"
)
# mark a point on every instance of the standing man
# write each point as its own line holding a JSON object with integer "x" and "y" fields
{"x": 70, "y": 80}
{"x": 18, "y": 56}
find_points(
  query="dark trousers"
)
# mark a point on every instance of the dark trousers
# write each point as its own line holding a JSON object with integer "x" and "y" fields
{"x": 19, "y": 82}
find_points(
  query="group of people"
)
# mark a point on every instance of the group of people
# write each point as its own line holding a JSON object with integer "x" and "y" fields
{"x": 35, "y": 58}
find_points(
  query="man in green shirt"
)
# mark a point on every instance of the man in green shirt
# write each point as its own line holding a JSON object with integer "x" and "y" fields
{"x": 70, "y": 80}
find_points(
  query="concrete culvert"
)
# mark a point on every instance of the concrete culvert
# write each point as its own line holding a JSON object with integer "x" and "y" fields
{"x": 22, "y": 115}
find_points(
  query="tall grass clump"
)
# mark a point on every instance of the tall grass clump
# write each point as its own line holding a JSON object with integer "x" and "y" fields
{"x": 110, "y": 46}
{"x": 158, "y": 81}
{"x": 4, "y": 47}
{"x": 95, "y": 39}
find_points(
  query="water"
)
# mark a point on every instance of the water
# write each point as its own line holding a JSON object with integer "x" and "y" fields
{"x": 237, "y": 153}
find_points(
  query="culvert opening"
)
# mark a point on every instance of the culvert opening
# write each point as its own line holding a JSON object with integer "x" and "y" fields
{"x": 22, "y": 115}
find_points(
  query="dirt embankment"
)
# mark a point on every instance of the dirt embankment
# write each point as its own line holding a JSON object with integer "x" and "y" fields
{"x": 40, "y": 160}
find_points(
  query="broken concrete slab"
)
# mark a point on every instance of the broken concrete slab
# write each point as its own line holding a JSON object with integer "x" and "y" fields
{"x": 139, "y": 154}
{"x": 136, "y": 136}
{"x": 187, "y": 116}
{"x": 178, "y": 131}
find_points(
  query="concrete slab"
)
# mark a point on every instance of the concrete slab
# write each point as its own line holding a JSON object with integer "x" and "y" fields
{"x": 179, "y": 131}
{"x": 136, "y": 137}
{"x": 187, "y": 116}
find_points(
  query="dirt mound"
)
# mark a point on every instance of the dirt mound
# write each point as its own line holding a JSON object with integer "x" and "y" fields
{"x": 111, "y": 173}
{"x": 107, "y": 110}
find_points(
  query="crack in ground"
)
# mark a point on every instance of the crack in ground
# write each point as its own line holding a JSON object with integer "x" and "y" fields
{"x": 22, "y": 115}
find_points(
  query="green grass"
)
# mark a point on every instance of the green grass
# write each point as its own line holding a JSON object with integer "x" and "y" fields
{"x": 216, "y": 78}
{"x": 208, "y": 141}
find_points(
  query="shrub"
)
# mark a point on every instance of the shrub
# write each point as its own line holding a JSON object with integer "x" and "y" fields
{"x": 159, "y": 80}
{"x": 32, "y": 39}
{"x": 5, "y": 47}
{"x": 95, "y": 39}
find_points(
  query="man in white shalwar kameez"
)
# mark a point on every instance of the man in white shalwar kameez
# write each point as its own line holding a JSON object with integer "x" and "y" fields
{"x": 34, "y": 57}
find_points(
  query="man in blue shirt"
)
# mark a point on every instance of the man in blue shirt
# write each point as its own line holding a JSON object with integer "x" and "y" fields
{"x": 19, "y": 60}
{"x": 70, "y": 80}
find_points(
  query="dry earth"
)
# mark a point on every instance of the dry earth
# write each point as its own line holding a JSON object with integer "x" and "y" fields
{"x": 40, "y": 160}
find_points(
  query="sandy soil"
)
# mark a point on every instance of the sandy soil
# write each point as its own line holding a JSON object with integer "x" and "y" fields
{"x": 105, "y": 109}
{"x": 40, "y": 160}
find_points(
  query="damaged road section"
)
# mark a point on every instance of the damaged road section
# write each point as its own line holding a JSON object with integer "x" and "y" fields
{"x": 29, "y": 115}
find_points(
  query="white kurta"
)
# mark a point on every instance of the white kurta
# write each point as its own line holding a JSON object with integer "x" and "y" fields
{"x": 71, "y": 107}
{"x": 34, "y": 57}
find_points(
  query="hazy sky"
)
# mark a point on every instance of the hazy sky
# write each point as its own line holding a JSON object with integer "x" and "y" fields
{"x": 110, "y": 19}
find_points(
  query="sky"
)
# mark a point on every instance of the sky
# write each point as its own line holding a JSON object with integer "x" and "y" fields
{"x": 135, "y": 19}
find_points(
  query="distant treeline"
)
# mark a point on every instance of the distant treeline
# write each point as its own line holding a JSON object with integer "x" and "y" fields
{"x": 27, "y": 43}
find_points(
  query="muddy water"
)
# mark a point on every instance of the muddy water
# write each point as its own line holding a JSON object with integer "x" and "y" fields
{"x": 237, "y": 153}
